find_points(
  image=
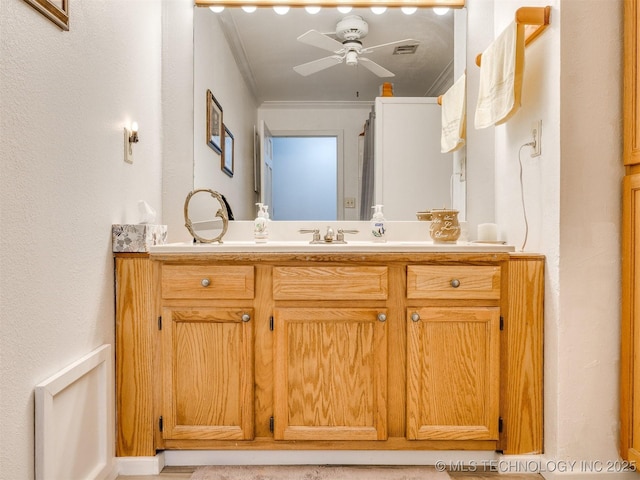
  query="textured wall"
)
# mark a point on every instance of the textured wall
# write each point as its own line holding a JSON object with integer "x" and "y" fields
{"x": 65, "y": 98}
{"x": 573, "y": 84}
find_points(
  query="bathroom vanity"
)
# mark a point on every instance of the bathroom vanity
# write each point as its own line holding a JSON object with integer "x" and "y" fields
{"x": 398, "y": 349}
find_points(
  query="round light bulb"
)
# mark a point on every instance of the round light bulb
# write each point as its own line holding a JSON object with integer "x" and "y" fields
{"x": 378, "y": 10}
{"x": 217, "y": 8}
{"x": 249, "y": 8}
{"x": 281, "y": 9}
{"x": 440, "y": 10}
{"x": 312, "y": 9}
{"x": 344, "y": 9}
{"x": 409, "y": 10}
{"x": 134, "y": 126}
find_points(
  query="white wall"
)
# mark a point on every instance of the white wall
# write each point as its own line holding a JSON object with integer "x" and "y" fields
{"x": 573, "y": 83}
{"x": 65, "y": 99}
{"x": 215, "y": 69}
{"x": 177, "y": 114}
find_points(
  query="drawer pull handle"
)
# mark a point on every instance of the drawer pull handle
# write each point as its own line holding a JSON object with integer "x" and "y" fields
{"x": 382, "y": 317}
{"x": 205, "y": 282}
{"x": 246, "y": 317}
{"x": 415, "y": 316}
{"x": 455, "y": 283}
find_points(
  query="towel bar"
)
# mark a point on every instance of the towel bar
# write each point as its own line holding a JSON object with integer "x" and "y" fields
{"x": 535, "y": 19}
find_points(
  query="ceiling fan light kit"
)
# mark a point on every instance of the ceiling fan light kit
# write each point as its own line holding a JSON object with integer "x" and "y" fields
{"x": 350, "y": 30}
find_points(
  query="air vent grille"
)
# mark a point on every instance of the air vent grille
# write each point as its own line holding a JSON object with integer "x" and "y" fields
{"x": 405, "y": 50}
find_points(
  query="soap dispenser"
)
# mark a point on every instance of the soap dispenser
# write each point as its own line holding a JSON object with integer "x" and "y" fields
{"x": 260, "y": 225}
{"x": 378, "y": 225}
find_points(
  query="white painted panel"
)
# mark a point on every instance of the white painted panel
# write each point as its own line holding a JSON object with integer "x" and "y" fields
{"x": 74, "y": 420}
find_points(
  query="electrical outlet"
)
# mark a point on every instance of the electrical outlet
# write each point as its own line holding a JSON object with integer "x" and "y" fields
{"x": 536, "y": 133}
{"x": 349, "y": 202}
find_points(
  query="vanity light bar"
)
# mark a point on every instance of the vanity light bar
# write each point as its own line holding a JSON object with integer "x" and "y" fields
{"x": 334, "y": 3}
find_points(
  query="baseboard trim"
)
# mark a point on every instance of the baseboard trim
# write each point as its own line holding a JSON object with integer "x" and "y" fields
{"x": 141, "y": 465}
{"x": 324, "y": 457}
{"x": 552, "y": 469}
{"x": 456, "y": 460}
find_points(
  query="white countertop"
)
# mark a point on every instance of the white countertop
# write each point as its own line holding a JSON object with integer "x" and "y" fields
{"x": 285, "y": 237}
{"x": 352, "y": 246}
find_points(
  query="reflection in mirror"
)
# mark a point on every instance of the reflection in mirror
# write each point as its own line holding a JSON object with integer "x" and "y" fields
{"x": 248, "y": 60}
{"x": 205, "y": 216}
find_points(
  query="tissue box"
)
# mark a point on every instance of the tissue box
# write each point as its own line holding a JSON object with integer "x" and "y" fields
{"x": 137, "y": 238}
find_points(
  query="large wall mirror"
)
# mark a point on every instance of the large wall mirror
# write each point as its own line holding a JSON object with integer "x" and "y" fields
{"x": 271, "y": 85}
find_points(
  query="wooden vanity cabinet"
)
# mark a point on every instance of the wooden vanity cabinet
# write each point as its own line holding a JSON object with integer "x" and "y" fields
{"x": 453, "y": 352}
{"x": 631, "y": 92}
{"x": 630, "y": 333}
{"x": 324, "y": 351}
{"x": 207, "y": 352}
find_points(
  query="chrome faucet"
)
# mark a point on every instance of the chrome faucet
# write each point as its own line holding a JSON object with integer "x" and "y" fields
{"x": 329, "y": 237}
{"x": 341, "y": 232}
{"x": 316, "y": 234}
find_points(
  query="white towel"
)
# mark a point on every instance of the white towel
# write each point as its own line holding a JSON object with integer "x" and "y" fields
{"x": 501, "y": 78}
{"x": 454, "y": 116}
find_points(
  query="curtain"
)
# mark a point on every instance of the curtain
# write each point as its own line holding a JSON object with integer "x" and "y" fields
{"x": 366, "y": 196}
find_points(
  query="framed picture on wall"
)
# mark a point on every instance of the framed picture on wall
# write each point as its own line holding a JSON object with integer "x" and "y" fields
{"x": 214, "y": 123}
{"x": 228, "y": 152}
{"x": 55, "y": 10}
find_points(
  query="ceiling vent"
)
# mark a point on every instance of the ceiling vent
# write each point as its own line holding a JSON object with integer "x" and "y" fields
{"x": 405, "y": 50}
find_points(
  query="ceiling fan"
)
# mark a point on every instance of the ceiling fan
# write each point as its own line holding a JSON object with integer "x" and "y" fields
{"x": 350, "y": 30}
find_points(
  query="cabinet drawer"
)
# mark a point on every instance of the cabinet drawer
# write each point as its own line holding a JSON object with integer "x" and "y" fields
{"x": 207, "y": 282}
{"x": 330, "y": 283}
{"x": 455, "y": 282}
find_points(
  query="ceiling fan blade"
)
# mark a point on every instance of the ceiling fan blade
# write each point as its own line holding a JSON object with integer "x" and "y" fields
{"x": 410, "y": 41}
{"x": 312, "y": 67}
{"x": 375, "y": 68}
{"x": 320, "y": 40}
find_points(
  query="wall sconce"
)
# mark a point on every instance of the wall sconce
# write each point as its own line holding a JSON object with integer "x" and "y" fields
{"x": 130, "y": 137}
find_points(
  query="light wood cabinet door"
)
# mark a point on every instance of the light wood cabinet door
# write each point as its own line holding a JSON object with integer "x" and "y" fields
{"x": 631, "y": 121}
{"x": 453, "y": 373}
{"x": 630, "y": 347}
{"x": 208, "y": 373}
{"x": 330, "y": 374}
{"x": 630, "y": 327}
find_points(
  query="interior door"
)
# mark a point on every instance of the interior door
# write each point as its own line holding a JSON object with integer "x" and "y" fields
{"x": 266, "y": 162}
